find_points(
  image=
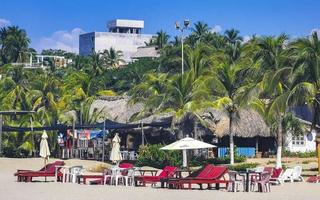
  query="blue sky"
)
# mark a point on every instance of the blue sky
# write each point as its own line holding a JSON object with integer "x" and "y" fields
{"x": 57, "y": 23}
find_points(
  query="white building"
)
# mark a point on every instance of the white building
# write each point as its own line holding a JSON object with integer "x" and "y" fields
{"x": 123, "y": 35}
{"x": 302, "y": 143}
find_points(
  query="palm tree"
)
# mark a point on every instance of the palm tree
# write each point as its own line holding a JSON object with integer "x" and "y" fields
{"x": 307, "y": 88}
{"x": 161, "y": 40}
{"x": 200, "y": 30}
{"x": 276, "y": 65}
{"x": 97, "y": 64}
{"x": 229, "y": 87}
{"x": 44, "y": 95}
{"x": 232, "y": 36}
{"x": 14, "y": 44}
{"x": 113, "y": 58}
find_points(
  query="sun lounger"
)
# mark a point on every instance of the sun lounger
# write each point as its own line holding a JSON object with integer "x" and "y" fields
{"x": 47, "y": 171}
{"x": 296, "y": 174}
{"x": 210, "y": 175}
{"x": 287, "y": 175}
{"x": 276, "y": 176}
{"x": 167, "y": 172}
{"x": 313, "y": 179}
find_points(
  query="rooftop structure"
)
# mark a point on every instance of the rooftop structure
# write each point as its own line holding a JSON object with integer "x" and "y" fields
{"x": 125, "y": 26}
{"x": 123, "y": 35}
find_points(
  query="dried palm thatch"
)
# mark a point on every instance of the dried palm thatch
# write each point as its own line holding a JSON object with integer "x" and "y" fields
{"x": 117, "y": 108}
{"x": 247, "y": 124}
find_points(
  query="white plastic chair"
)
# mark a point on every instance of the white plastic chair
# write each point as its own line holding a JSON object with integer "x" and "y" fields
{"x": 235, "y": 183}
{"x": 116, "y": 176}
{"x": 129, "y": 178}
{"x": 259, "y": 169}
{"x": 132, "y": 155}
{"x": 296, "y": 174}
{"x": 287, "y": 175}
{"x": 74, "y": 172}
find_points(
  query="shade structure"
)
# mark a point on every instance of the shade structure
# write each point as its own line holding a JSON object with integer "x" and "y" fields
{"x": 115, "y": 151}
{"x": 185, "y": 144}
{"x": 44, "y": 149}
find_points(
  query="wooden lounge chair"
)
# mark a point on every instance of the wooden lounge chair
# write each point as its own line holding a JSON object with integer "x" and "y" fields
{"x": 167, "y": 172}
{"x": 210, "y": 175}
{"x": 47, "y": 171}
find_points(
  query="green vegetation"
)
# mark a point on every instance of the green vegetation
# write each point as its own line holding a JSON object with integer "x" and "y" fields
{"x": 269, "y": 74}
{"x": 309, "y": 154}
{"x": 151, "y": 155}
{"x": 243, "y": 166}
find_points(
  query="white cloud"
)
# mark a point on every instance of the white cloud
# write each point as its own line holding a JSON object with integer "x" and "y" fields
{"x": 315, "y": 30}
{"x": 246, "y": 38}
{"x": 65, "y": 40}
{"x": 216, "y": 29}
{"x": 4, "y": 22}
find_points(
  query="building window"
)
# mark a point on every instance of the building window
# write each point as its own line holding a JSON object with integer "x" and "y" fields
{"x": 298, "y": 140}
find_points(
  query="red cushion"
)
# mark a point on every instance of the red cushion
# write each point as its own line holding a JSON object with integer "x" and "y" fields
{"x": 126, "y": 165}
{"x": 217, "y": 172}
{"x": 276, "y": 172}
{"x": 204, "y": 172}
{"x": 167, "y": 171}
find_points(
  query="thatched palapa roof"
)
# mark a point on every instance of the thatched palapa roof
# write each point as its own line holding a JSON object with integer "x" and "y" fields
{"x": 249, "y": 124}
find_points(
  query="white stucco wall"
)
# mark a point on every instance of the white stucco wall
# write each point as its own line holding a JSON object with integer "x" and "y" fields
{"x": 127, "y": 43}
{"x": 310, "y": 144}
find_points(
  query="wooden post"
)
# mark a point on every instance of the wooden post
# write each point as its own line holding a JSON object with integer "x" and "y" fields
{"x": 318, "y": 152}
{"x": 257, "y": 145}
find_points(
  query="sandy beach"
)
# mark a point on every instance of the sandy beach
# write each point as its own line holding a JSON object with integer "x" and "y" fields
{"x": 12, "y": 190}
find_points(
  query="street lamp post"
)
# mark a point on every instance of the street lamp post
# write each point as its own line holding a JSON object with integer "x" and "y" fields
{"x": 186, "y": 24}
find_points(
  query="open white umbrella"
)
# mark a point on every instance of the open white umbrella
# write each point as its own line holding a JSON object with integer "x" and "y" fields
{"x": 187, "y": 143}
{"x": 115, "y": 151}
{"x": 44, "y": 148}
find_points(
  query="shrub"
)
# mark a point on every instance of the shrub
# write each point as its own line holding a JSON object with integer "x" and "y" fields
{"x": 151, "y": 155}
{"x": 242, "y": 166}
{"x": 199, "y": 161}
{"x": 300, "y": 154}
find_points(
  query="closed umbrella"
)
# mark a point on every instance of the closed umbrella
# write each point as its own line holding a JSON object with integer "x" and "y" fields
{"x": 187, "y": 143}
{"x": 44, "y": 149}
{"x": 115, "y": 151}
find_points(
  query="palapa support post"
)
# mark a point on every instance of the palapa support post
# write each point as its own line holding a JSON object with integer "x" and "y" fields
{"x": 142, "y": 134}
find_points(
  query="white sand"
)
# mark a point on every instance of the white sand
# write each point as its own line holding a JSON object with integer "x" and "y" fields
{"x": 12, "y": 190}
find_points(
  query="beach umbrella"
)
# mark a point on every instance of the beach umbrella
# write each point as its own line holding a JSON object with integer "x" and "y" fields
{"x": 115, "y": 151}
{"x": 44, "y": 148}
{"x": 187, "y": 143}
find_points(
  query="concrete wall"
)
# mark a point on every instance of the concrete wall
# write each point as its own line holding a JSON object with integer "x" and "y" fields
{"x": 127, "y": 43}
{"x": 309, "y": 145}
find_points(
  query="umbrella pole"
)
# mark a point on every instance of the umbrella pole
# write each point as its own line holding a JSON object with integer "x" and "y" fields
{"x": 45, "y": 169}
{"x": 184, "y": 158}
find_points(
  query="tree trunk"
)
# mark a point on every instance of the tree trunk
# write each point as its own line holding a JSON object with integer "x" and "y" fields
{"x": 279, "y": 148}
{"x": 231, "y": 138}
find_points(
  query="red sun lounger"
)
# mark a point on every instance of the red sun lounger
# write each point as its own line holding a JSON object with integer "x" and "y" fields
{"x": 167, "y": 172}
{"x": 214, "y": 176}
{"x": 47, "y": 171}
